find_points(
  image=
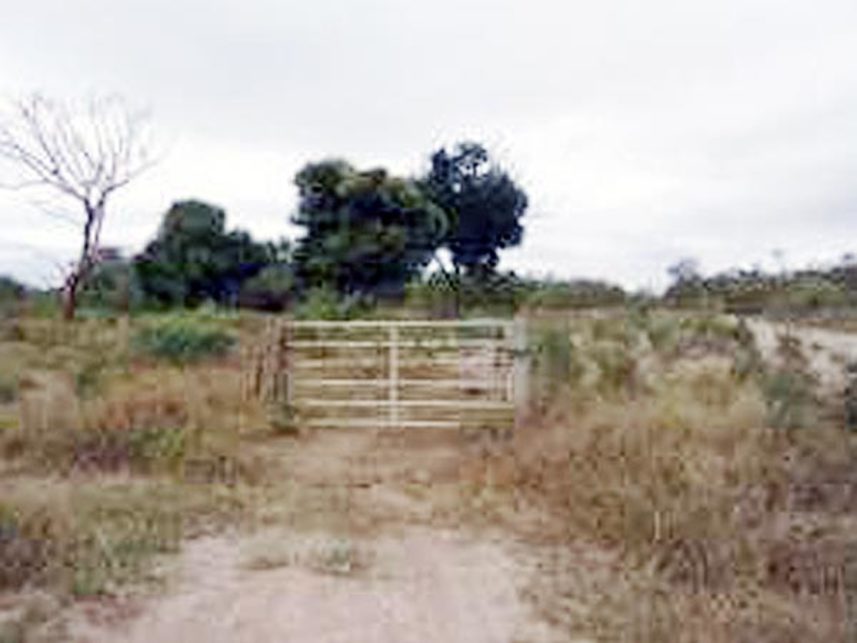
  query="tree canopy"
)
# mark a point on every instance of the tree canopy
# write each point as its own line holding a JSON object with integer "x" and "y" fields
{"x": 366, "y": 232}
{"x": 193, "y": 258}
{"x": 484, "y": 205}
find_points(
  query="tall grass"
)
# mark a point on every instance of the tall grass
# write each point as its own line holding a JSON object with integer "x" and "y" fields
{"x": 113, "y": 449}
{"x": 87, "y": 537}
{"x": 723, "y": 524}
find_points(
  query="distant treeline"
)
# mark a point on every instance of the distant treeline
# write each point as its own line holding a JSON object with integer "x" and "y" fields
{"x": 756, "y": 291}
{"x": 372, "y": 239}
{"x": 262, "y": 276}
{"x": 368, "y": 237}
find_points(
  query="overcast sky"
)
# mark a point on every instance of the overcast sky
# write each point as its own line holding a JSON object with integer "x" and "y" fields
{"x": 643, "y": 131}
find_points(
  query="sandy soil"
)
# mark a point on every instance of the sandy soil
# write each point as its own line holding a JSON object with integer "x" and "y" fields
{"x": 423, "y": 586}
{"x": 827, "y": 350}
{"x": 329, "y": 575}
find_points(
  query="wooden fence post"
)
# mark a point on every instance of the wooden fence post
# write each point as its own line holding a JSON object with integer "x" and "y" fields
{"x": 394, "y": 376}
{"x": 521, "y": 366}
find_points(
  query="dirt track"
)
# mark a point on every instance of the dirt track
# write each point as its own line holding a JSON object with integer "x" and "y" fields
{"x": 424, "y": 586}
{"x": 326, "y": 574}
{"x": 827, "y": 350}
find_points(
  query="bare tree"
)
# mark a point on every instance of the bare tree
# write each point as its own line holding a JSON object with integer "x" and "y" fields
{"x": 81, "y": 153}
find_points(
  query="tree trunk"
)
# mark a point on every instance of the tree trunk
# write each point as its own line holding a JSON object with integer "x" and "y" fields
{"x": 69, "y": 303}
{"x": 91, "y": 235}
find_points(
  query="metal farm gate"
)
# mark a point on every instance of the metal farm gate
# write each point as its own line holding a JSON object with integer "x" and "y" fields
{"x": 398, "y": 374}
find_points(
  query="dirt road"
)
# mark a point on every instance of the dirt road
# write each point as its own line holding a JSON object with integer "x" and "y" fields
{"x": 370, "y": 552}
{"x": 423, "y": 586}
{"x": 827, "y": 351}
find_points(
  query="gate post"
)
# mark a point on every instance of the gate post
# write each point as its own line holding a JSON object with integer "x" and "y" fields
{"x": 393, "y": 390}
{"x": 521, "y": 367}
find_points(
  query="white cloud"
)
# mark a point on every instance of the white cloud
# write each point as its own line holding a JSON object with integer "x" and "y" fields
{"x": 642, "y": 131}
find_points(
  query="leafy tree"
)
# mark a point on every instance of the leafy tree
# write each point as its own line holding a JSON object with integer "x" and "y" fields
{"x": 11, "y": 289}
{"x": 12, "y": 294}
{"x": 688, "y": 285}
{"x": 685, "y": 270}
{"x": 367, "y": 232}
{"x": 483, "y": 202}
{"x": 193, "y": 258}
{"x": 112, "y": 284}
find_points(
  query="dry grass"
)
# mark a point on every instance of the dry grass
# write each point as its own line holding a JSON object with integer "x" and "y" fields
{"x": 111, "y": 456}
{"x": 95, "y": 405}
{"x": 322, "y": 554}
{"x": 655, "y": 451}
{"x": 719, "y": 527}
{"x": 88, "y": 535}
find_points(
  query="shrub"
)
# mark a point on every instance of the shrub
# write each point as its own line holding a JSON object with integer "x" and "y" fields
{"x": 614, "y": 329}
{"x": 8, "y": 389}
{"x": 663, "y": 334}
{"x": 271, "y": 290}
{"x": 789, "y": 395}
{"x": 851, "y": 396}
{"x": 790, "y": 388}
{"x": 181, "y": 341}
{"x": 555, "y": 365}
{"x": 617, "y": 367}
{"x": 12, "y": 295}
{"x": 325, "y": 303}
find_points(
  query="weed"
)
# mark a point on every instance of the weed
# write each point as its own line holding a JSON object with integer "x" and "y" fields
{"x": 790, "y": 388}
{"x": 555, "y": 364}
{"x": 617, "y": 368}
{"x": 613, "y": 329}
{"x": 323, "y": 303}
{"x": 283, "y": 419}
{"x": 340, "y": 558}
{"x": 84, "y": 538}
{"x": 180, "y": 341}
{"x": 850, "y": 401}
{"x": 663, "y": 334}
{"x": 790, "y": 399}
{"x": 8, "y": 389}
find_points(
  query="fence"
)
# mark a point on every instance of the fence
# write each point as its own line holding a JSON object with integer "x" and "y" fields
{"x": 403, "y": 373}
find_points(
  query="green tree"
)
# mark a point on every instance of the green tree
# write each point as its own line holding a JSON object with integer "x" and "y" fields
{"x": 112, "y": 284}
{"x": 367, "y": 232}
{"x": 274, "y": 287}
{"x": 484, "y": 205}
{"x": 194, "y": 259}
{"x": 12, "y": 294}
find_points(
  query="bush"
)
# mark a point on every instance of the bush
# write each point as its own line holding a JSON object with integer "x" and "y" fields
{"x": 325, "y": 303}
{"x": 790, "y": 388}
{"x": 555, "y": 364}
{"x": 11, "y": 295}
{"x": 182, "y": 341}
{"x": 271, "y": 290}
{"x": 789, "y": 398}
{"x": 8, "y": 389}
{"x": 851, "y": 397}
{"x": 617, "y": 368}
{"x": 112, "y": 287}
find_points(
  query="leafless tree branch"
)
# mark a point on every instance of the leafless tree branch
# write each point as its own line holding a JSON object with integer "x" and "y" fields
{"x": 84, "y": 154}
